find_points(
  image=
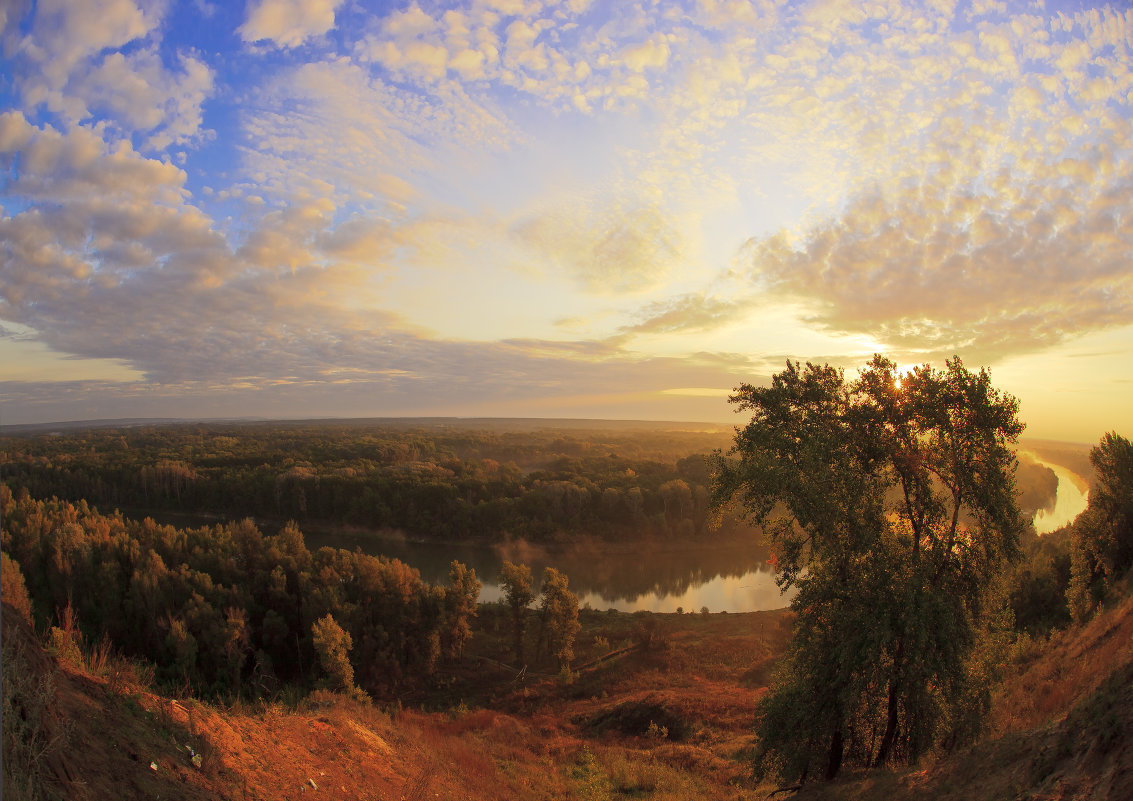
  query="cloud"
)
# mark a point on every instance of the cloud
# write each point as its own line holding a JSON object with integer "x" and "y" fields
{"x": 71, "y": 63}
{"x": 58, "y": 167}
{"x": 65, "y": 34}
{"x": 113, "y": 261}
{"x": 694, "y": 312}
{"x": 331, "y": 128}
{"x": 648, "y": 55}
{"x": 565, "y": 56}
{"x": 930, "y": 272}
{"x": 948, "y": 178}
{"x": 427, "y": 378}
{"x": 288, "y": 23}
{"x": 611, "y": 250}
{"x": 142, "y": 95}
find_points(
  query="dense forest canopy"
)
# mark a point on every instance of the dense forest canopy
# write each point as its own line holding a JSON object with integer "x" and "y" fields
{"x": 437, "y": 482}
{"x": 225, "y": 609}
{"x": 441, "y": 480}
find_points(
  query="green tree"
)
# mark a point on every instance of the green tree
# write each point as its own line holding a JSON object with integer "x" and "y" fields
{"x": 1101, "y": 539}
{"x": 333, "y": 645}
{"x": 1039, "y": 582}
{"x": 516, "y": 582}
{"x": 558, "y": 614}
{"x": 889, "y": 503}
{"x": 181, "y": 646}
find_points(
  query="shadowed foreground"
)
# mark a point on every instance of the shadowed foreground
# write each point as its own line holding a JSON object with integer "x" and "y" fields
{"x": 672, "y": 721}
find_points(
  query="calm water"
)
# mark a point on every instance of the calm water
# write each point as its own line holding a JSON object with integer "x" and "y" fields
{"x": 1070, "y": 499}
{"x": 724, "y": 579}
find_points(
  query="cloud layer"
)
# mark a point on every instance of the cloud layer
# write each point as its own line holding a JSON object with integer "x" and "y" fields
{"x": 525, "y": 201}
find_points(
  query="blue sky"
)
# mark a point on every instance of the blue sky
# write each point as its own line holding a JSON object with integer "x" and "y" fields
{"x": 518, "y": 208}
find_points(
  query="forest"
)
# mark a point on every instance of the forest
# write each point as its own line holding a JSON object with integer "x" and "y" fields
{"x": 236, "y": 604}
{"x": 442, "y": 482}
{"x": 226, "y": 605}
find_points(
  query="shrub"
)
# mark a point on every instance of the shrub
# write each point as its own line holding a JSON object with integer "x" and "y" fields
{"x": 333, "y": 647}
{"x": 13, "y": 590}
{"x": 641, "y": 719}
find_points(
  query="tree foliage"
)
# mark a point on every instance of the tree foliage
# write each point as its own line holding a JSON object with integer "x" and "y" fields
{"x": 226, "y": 609}
{"x": 461, "y": 597}
{"x": 558, "y": 616}
{"x": 1102, "y": 536}
{"x": 333, "y": 645}
{"x": 515, "y": 581}
{"x": 435, "y": 482}
{"x": 890, "y": 505}
{"x": 13, "y": 590}
{"x": 1039, "y": 582}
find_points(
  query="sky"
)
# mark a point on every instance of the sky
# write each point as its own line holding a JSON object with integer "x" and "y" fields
{"x": 515, "y": 208}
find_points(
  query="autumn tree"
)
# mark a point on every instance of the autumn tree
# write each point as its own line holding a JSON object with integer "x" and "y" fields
{"x": 13, "y": 590}
{"x": 558, "y": 616}
{"x": 333, "y": 645}
{"x": 889, "y": 503}
{"x": 460, "y": 608}
{"x": 516, "y": 583}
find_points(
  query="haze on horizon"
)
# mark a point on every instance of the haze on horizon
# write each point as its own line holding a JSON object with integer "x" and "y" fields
{"x": 514, "y": 208}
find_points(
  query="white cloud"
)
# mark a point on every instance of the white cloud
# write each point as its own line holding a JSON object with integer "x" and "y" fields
{"x": 918, "y": 272}
{"x": 648, "y": 55}
{"x": 606, "y": 249}
{"x": 696, "y": 312}
{"x": 64, "y": 35}
{"x": 288, "y": 23}
{"x": 142, "y": 95}
{"x": 70, "y": 63}
{"x": 966, "y": 180}
{"x": 58, "y": 168}
{"x": 329, "y": 128}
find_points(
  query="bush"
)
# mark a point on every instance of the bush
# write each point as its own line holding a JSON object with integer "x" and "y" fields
{"x": 12, "y": 587}
{"x": 641, "y": 719}
{"x": 592, "y": 780}
{"x": 647, "y": 634}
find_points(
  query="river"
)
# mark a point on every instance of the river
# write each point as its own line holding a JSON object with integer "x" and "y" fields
{"x": 1069, "y": 501}
{"x": 733, "y": 578}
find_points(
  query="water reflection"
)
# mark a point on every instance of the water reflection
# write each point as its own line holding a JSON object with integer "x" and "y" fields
{"x": 723, "y": 579}
{"x": 1070, "y": 500}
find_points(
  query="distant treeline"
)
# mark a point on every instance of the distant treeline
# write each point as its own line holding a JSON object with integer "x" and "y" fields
{"x": 226, "y": 610}
{"x": 438, "y": 483}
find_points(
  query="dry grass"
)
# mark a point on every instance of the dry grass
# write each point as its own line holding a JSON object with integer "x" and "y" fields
{"x": 1053, "y": 675}
{"x": 537, "y": 739}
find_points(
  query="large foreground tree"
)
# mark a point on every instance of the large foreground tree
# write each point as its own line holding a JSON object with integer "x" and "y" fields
{"x": 889, "y": 502}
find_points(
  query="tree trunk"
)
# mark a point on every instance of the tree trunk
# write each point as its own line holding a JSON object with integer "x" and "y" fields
{"x": 894, "y": 698}
{"x": 517, "y": 634}
{"x": 837, "y": 746}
